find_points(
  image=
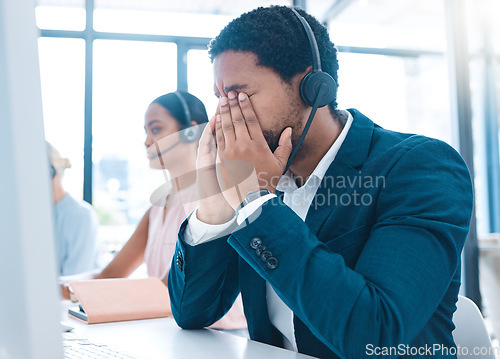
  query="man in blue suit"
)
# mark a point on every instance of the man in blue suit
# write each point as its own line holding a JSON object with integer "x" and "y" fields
{"x": 355, "y": 251}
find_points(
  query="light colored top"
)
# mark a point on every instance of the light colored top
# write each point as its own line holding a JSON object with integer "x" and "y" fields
{"x": 76, "y": 232}
{"x": 164, "y": 223}
{"x": 299, "y": 200}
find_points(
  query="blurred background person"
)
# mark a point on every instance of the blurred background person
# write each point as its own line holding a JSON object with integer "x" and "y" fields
{"x": 173, "y": 124}
{"x": 75, "y": 223}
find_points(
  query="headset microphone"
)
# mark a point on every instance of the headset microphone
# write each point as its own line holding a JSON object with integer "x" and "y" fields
{"x": 187, "y": 135}
{"x": 159, "y": 154}
{"x": 317, "y": 88}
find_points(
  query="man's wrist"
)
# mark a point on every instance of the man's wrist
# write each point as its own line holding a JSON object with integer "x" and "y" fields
{"x": 252, "y": 196}
{"x": 208, "y": 217}
{"x": 245, "y": 212}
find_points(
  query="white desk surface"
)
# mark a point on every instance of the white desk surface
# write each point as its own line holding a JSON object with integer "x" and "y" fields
{"x": 162, "y": 338}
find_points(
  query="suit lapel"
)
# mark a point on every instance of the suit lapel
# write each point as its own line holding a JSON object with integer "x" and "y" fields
{"x": 347, "y": 163}
{"x": 328, "y": 194}
{"x": 350, "y": 158}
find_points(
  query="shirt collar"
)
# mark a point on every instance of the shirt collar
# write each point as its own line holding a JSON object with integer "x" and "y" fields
{"x": 287, "y": 181}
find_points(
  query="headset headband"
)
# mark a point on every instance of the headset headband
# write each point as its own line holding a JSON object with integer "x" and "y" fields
{"x": 184, "y": 105}
{"x": 312, "y": 41}
{"x": 317, "y": 88}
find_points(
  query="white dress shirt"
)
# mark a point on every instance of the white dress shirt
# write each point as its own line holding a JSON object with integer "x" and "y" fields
{"x": 299, "y": 199}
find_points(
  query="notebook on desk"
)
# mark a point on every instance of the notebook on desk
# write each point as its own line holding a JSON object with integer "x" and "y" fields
{"x": 114, "y": 300}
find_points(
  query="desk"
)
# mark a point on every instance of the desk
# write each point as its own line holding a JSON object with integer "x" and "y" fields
{"x": 489, "y": 278}
{"x": 162, "y": 338}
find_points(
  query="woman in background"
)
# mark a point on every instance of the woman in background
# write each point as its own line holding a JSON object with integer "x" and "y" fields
{"x": 75, "y": 223}
{"x": 172, "y": 124}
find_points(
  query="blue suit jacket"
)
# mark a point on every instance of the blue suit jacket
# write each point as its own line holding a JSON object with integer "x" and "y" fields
{"x": 374, "y": 269}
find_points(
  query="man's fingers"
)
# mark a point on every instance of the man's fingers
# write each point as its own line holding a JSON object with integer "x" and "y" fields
{"x": 226, "y": 121}
{"x": 219, "y": 135}
{"x": 207, "y": 142}
{"x": 211, "y": 124}
{"x": 251, "y": 120}
{"x": 282, "y": 153}
{"x": 240, "y": 127}
{"x": 208, "y": 132}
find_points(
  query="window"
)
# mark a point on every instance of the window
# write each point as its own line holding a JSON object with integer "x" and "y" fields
{"x": 174, "y": 18}
{"x": 483, "y": 34}
{"x": 385, "y": 24}
{"x": 158, "y": 23}
{"x": 57, "y": 15}
{"x": 405, "y": 94}
{"x": 201, "y": 79}
{"x": 128, "y": 75}
{"x": 62, "y": 70}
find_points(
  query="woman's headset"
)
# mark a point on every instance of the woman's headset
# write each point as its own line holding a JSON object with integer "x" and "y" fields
{"x": 188, "y": 133}
{"x": 317, "y": 88}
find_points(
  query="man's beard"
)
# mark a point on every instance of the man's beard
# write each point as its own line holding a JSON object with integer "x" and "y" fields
{"x": 291, "y": 119}
{"x": 272, "y": 139}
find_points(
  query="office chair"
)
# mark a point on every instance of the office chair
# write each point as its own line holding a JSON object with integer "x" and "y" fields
{"x": 470, "y": 331}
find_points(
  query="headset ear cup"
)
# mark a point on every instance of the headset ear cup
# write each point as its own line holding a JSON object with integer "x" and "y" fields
{"x": 310, "y": 84}
{"x": 52, "y": 171}
{"x": 189, "y": 134}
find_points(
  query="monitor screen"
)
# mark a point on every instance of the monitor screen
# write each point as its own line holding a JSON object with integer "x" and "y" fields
{"x": 29, "y": 300}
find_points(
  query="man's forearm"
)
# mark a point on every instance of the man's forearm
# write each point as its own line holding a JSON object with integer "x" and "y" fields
{"x": 203, "y": 281}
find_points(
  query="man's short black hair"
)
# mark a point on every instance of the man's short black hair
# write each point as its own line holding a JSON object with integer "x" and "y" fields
{"x": 278, "y": 39}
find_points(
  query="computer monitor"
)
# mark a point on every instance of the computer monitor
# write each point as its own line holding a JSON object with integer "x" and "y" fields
{"x": 29, "y": 300}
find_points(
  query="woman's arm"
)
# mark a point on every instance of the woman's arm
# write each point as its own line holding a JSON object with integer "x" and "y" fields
{"x": 131, "y": 255}
{"x": 123, "y": 264}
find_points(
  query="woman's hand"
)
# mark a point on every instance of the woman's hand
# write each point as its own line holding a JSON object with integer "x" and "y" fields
{"x": 65, "y": 294}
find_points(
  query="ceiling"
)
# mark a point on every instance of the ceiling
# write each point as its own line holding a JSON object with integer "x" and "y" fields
{"x": 366, "y": 11}
{"x": 421, "y": 21}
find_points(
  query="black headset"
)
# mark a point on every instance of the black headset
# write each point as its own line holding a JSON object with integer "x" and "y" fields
{"x": 317, "y": 88}
{"x": 188, "y": 133}
{"x": 52, "y": 171}
{"x": 313, "y": 81}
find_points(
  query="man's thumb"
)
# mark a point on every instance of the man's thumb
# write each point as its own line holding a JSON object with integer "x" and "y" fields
{"x": 284, "y": 147}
